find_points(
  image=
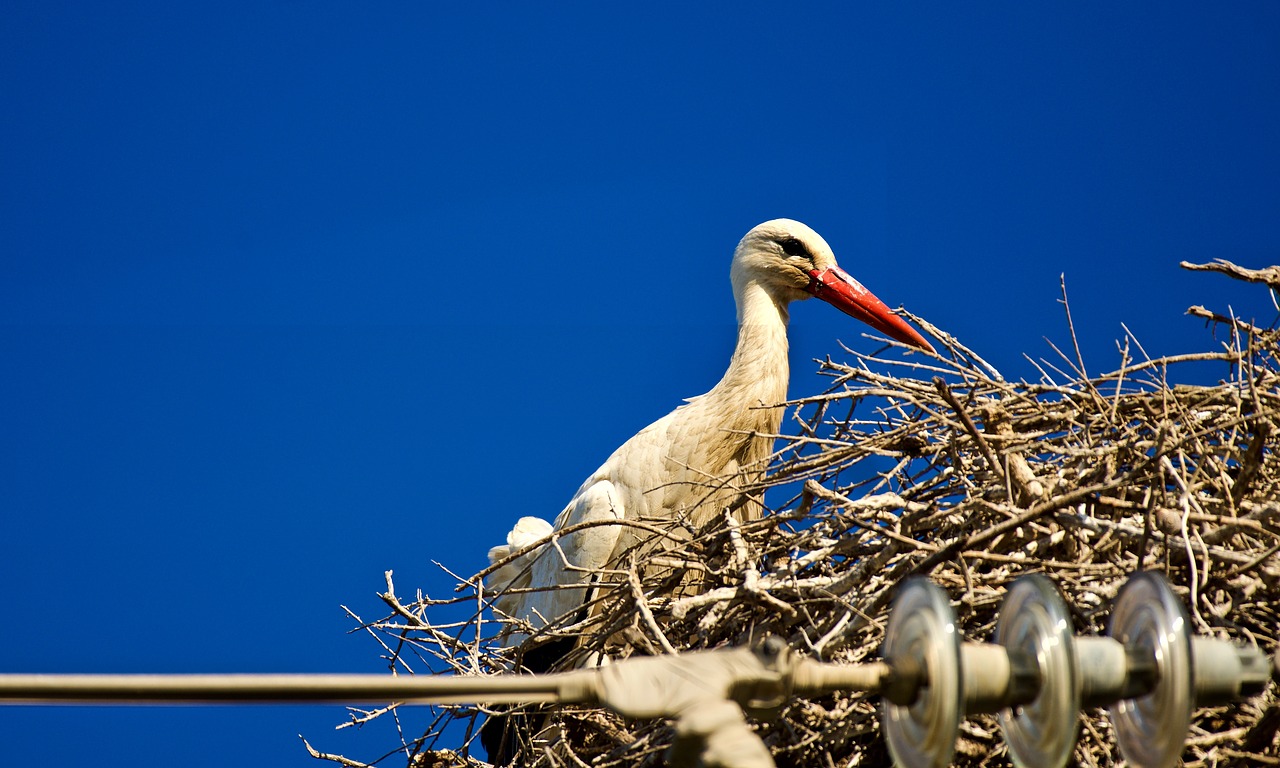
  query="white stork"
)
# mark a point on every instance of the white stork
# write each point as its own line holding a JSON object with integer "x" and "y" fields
{"x": 667, "y": 470}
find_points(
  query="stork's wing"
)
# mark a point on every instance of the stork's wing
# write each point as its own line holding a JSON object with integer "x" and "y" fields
{"x": 568, "y": 560}
{"x": 515, "y": 575}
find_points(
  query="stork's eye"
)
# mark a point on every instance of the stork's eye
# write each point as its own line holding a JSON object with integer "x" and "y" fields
{"x": 793, "y": 247}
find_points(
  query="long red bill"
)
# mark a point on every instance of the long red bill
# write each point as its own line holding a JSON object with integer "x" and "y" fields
{"x": 838, "y": 288}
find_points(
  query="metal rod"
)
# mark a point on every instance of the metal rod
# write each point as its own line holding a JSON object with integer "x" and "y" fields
{"x": 566, "y": 688}
{"x": 811, "y": 677}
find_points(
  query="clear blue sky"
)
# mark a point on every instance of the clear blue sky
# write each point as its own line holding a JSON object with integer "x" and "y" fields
{"x": 295, "y": 293}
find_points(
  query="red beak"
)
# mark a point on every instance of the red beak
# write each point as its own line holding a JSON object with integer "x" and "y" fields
{"x": 840, "y": 290}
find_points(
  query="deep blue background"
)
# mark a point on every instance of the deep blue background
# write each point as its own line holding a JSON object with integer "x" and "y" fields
{"x": 295, "y": 293}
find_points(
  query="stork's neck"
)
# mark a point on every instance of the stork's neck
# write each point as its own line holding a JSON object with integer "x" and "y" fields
{"x": 758, "y": 372}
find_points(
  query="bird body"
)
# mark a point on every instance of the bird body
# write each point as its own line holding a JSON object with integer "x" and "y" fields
{"x": 676, "y": 469}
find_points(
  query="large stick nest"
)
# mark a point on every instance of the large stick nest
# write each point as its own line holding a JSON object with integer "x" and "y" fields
{"x": 941, "y": 468}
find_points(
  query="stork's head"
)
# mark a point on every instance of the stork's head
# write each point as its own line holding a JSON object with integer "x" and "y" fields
{"x": 792, "y": 262}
